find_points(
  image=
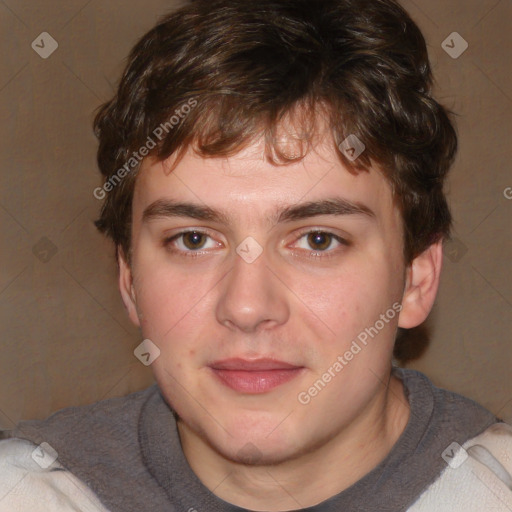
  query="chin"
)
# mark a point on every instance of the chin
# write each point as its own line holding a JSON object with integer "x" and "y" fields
{"x": 250, "y": 437}
{"x": 258, "y": 452}
{"x": 254, "y": 443}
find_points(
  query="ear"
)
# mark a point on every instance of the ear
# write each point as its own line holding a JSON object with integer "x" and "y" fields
{"x": 126, "y": 287}
{"x": 421, "y": 285}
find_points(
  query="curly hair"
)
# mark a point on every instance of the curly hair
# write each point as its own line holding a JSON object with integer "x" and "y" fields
{"x": 359, "y": 66}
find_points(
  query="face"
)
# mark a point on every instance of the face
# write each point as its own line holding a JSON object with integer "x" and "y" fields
{"x": 271, "y": 291}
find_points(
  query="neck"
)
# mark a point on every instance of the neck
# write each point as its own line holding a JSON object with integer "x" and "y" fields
{"x": 309, "y": 478}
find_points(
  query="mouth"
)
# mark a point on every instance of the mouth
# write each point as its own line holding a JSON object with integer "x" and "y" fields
{"x": 254, "y": 376}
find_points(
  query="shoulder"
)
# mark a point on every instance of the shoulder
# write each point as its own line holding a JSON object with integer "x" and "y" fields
{"x": 66, "y": 461}
{"x": 32, "y": 481}
{"x": 102, "y": 424}
{"x": 477, "y": 476}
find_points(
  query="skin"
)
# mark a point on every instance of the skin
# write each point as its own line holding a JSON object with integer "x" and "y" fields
{"x": 294, "y": 303}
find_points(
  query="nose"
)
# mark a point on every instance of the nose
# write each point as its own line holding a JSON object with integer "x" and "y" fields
{"x": 252, "y": 298}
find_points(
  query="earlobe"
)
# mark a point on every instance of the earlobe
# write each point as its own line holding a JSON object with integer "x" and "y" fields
{"x": 127, "y": 289}
{"x": 422, "y": 283}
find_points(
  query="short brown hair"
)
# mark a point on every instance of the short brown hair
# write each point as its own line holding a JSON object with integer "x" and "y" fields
{"x": 361, "y": 64}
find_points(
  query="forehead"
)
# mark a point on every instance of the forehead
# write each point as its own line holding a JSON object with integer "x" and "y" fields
{"x": 248, "y": 185}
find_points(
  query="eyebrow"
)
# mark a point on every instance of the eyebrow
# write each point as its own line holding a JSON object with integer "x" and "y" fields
{"x": 163, "y": 208}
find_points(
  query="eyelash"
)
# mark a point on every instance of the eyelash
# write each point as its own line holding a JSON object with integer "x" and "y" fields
{"x": 328, "y": 253}
{"x": 312, "y": 254}
{"x": 187, "y": 254}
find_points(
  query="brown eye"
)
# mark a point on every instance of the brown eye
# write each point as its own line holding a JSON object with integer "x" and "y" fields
{"x": 319, "y": 241}
{"x": 194, "y": 240}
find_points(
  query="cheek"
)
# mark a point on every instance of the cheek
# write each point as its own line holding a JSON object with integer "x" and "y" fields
{"x": 174, "y": 318}
{"x": 169, "y": 301}
{"x": 340, "y": 299}
{"x": 341, "y": 306}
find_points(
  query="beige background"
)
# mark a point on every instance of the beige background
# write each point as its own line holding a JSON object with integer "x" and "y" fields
{"x": 66, "y": 339}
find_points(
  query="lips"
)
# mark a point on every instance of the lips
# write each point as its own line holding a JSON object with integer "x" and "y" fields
{"x": 254, "y": 376}
{"x": 252, "y": 365}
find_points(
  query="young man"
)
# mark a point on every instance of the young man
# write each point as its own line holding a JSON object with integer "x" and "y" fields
{"x": 274, "y": 188}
